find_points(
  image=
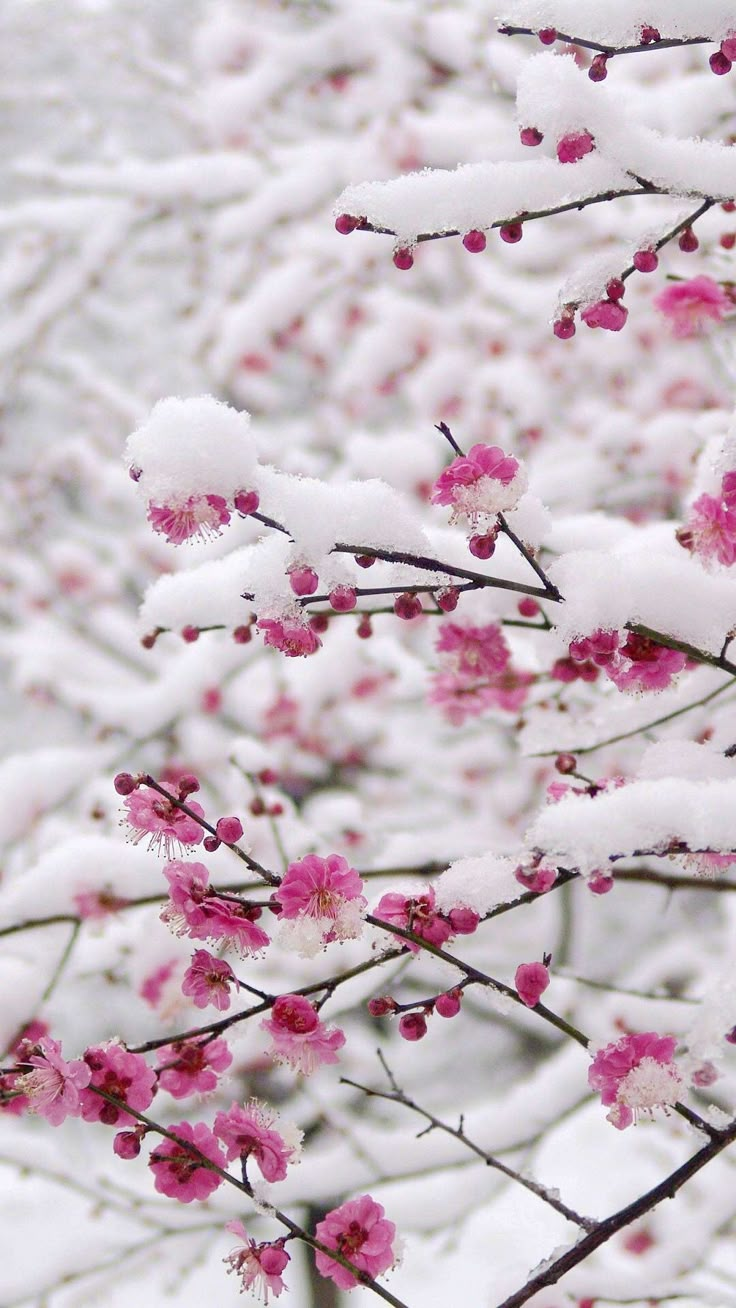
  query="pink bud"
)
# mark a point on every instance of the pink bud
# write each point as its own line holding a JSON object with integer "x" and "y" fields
{"x": 564, "y": 328}
{"x": 598, "y": 71}
{"x": 343, "y": 599}
{"x": 268, "y": 777}
{"x": 126, "y": 1144}
{"x": 211, "y": 844}
{"x": 730, "y": 1036}
{"x": 319, "y": 622}
{"x": 511, "y": 233}
{"x": 608, "y": 314}
{"x": 645, "y": 261}
{"x": 530, "y": 136}
{"x": 403, "y": 259}
{"x": 464, "y": 921}
{"x": 649, "y": 35}
{"x": 615, "y": 290}
{"x": 135, "y": 474}
{"x": 407, "y": 606}
{"x": 413, "y": 1026}
{"x": 574, "y": 146}
{"x": 229, "y": 830}
{"x": 364, "y": 560}
{"x": 448, "y": 1005}
{"x": 528, "y": 607}
{"x": 719, "y": 63}
{"x": 246, "y": 501}
{"x": 727, "y": 240}
{"x": 381, "y": 1005}
{"x": 482, "y": 547}
{"x": 188, "y": 785}
{"x": 566, "y": 763}
{"x": 538, "y": 879}
{"x": 190, "y": 634}
{"x": 531, "y": 981}
{"x": 364, "y": 629}
{"x": 547, "y": 35}
{"x": 345, "y": 224}
{"x": 474, "y": 241}
{"x": 728, "y": 47}
{"x": 599, "y": 883}
{"x": 125, "y": 784}
{"x": 447, "y": 599}
{"x": 688, "y": 241}
{"x": 706, "y": 1074}
{"x": 728, "y": 489}
{"x": 242, "y": 635}
{"x": 303, "y": 580}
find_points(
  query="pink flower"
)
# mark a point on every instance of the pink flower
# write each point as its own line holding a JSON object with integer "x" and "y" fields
{"x": 608, "y": 314}
{"x": 480, "y": 484}
{"x": 152, "y": 986}
{"x": 599, "y": 883}
{"x": 200, "y": 515}
{"x": 706, "y": 865}
{"x": 599, "y": 648}
{"x": 179, "y": 1171}
{"x": 93, "y": 905}
{"x": 473, "y": 651}
{"x": 20, "y": 1049}
{"x": 710, "y": 530}
{"x": 327, "y": 890}
{"x": 169, "y": 828}
{"x": 196, "y": 910}
{"x": 728, "y": 489}
{"x": 538, "y": 879}
{"x": 574, "y": 146}
{"x": 689, "y": 305}
{"x": 126, "y": 1076}
{"x": 258, "y": 1265}
{"x": 292, "y": 637}
{"x": 635, "y": 1074}
{"x": 417, "y": 914}
{"x": 188, "y": 1066}
{"x": 509, "y": 689}
{"x": 247, "y": 1132}
{"x": 361, "y": 1233}
{"x": 207, "y": 980}
{"x": 299, "y": 1037}
{"x": 649, "y": 666}
{"x": 531, "y": 981}
{"x": 53, "y": 1086}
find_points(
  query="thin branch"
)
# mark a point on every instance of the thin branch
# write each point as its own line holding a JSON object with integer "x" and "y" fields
{"x": 668, "y": 43}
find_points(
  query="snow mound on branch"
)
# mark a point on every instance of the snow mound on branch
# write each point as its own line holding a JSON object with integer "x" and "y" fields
{"x": 478, "y": 883}
{"x": 193, "y": 447}
{"x": 621, "y": 23}
{"x": 208, "y": 595}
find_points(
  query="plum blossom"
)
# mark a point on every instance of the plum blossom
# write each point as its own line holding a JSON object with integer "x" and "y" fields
{"x": 360, "y": 1232}
{"x": 531, "y": 981}
{"x": 710, "y": 531}
{"x": 126, "y": 1076}
{"x": 418, "y": 914}
{"x": 599, "y": 648}
{"x": 196, "y": 910}
{"x": 199, "y": 515}
{"x": 645, "y": 665}
{"x": 480, "y": 484}
{"x": 538, "y": 879}
{"x": 258, "y": 1265}
{"x": 21, "y": 1047}
{"x": 635, "y": 1075}
{"x": 248, "y": 1132}
{"x": 289, "y": 635}
{"x": 689, "y": 305}
{"x": 207, "y": 980}
{"x": 323, "y": 893}
{"x": 190, "y": 1066}
{"x": 53, "y": 1088}
{"x": 473, "y": 651}
{"x": 475, "y": 673}
{"x": 299, "y": 1037}
{"x": 179, "y": 1171}
{"x": 149, "y": 813}
{"x": 574, "y": 146}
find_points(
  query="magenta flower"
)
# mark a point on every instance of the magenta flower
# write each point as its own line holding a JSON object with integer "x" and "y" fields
{"x": 710, "y": 531}
{"x": 189, "y": 1066}
{"x": 258, "y": 1265}
{"x": 21, "y": 1048}
{"x": 53, "y": 1086}
{"x": 635, "y": 1075}
{"x": 299, "y": 1037}
{"x": 599, "y": 648}
{"x": 538, "y": 879}
{"x": 645, "y": 665}
{"x": 531, "y": 981}
{"x": 688, "y": 305}
{"x": 574, "y": 146}
{"x": 480, "y": 484}
{"x": 200, "y": 515}
{"x": 417, "y": 914}
{"x": 361, "y": 1233}
{"x": 126, "y": 1076}
{"x": 180, "y": 1172}
{"x": 247, "y": 1132}
{"x": 169, "y": 828}
{"x": 207, "y": 980}
{"x": 473, "y": 651}
{"x": 608, "y": 314}
{"x": 326, "y": 890}
{"x": 292, "y": 637}
{"x": 196, "y": 910}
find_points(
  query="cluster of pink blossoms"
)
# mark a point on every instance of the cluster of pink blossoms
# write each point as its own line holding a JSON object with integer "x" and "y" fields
{"x": 320, "y": 900}
{"x": 150, "y": 814}
{"x": 689, "y": 306}
{"x": 298, "y": 1035}
{"x": 636, "y": 664}
{"x": 635, "y": 1075}
{"x": 360, "y": 1231}
{"x": 420, "y": 915}
{"x": 116, "y": 1072}
{"x": 196, "y": 910}
{"x": 179, "y": 1171}
{"x": 476, "y": 674}
{"x": 710, "y": 529}
{"x": 198, "y": 515}
{"x": 480, "y": 484}
{"x": 189, "y": 1067}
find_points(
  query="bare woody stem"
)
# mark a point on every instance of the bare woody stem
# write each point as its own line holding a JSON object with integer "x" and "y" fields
{"x": 668, "y": 43}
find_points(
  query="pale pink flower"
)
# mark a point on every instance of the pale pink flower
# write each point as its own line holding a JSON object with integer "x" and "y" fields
{"x": 53, "y": 1086}
{"x": 360, "y": 1232}
{"x": 292, "y": 637}
{"x": 196, "y": 910}
{"x": 180, "y": 1172}
{"x": 473, "y": 651}
{"x": 457, "y": 698}
{"x": 416, "y": 913}
{"x": 635, "y": 1075}
{"x": 247, "y": 1132}
{"x": 149, "y": 813}
{"x": 708, "y": 864}
{"x": 187, "y": 1067}
{"x": 531, "y": 981}
{"x": 688, "y": 305}
{"x": 481, "y": 483}
{"x": 207, "y": 980}
{"x": 710, "y": 530}
{"x": 20, "y": 1049}
{"x": 327, "y": 890}
{"x": 299, "y": 1037}
{"x": 599, "y": 648}
{"x": 509, "y": 689}
{"x": 574, "y": 146}
{"x": 93, "y": 905}
{"x": 152, "y": 987}
{"x": 126, "y": 1076}
{"x": 258, "y": 1265}
{"x": 199, "y": 515}
{"x": 645, "y": 665}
